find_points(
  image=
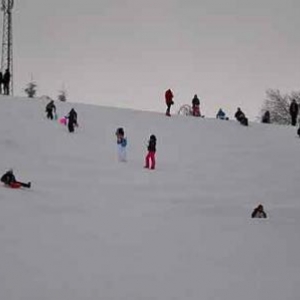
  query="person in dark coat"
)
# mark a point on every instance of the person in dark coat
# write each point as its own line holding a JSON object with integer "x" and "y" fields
{"x": 50, "y": 110}
{"x": 266, "y": 118}
{"x": 259, "y": 212}
{"x": 294, "y": 112}
{"x": 151, "y": 153}
{"x": 240, "y": 116}
{"x": 9, "y": 179}
{"x": 6, "y": 81}
{"x": 1, "y": 83}
{"x": 72, "y": 120}
{"x": 196, "y": 106}
{"x": 169, "y": 101}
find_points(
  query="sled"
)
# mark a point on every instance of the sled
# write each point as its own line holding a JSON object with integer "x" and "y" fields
{"x": 63, "y": 121}
{"x": 14, "y": 185}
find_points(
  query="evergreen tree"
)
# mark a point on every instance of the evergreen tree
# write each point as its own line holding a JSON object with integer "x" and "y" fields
{"x": 62, "y": 96}
{"x": 31, "y": 89}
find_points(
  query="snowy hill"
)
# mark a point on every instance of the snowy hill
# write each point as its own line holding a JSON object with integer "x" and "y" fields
{"x": 94, "y": 228}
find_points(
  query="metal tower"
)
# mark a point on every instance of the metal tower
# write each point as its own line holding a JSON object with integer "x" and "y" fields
{"x": 7, "y": 41}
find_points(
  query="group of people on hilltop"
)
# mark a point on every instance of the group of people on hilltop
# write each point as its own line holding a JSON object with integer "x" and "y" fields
{"x": 4, "y": 82}
{"x": 70, "y": 119}
{"x": 169, "y": 102}
{"x": 293, "y": 111}
{"x": 239, "y": 115}
{"x": 196, "y": 112}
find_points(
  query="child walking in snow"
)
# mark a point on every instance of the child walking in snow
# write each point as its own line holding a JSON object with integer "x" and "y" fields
{"x": 122, "y": 143}
{"x": 150, "y": 157}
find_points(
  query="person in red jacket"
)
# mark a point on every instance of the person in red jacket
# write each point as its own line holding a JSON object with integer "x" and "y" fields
{"x": 169, "y": 101}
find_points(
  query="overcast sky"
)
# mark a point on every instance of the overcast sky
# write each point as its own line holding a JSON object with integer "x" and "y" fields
{"x": 128, "y": 52}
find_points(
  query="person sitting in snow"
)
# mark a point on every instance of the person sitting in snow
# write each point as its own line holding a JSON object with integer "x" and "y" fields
{"x": 122, "y": 143}
{"x": 196, "y": 106}
{"x": 240, "y": 116}
{"x": 151, "y": 153}
{"x": 9, "y": 179}
{"x": 259, "y": 212}
{"x": 221, "y": 115}
{"x": 266, "y": 118}
{"x": 50, "y": 110}
{"x": 72, "y": 120}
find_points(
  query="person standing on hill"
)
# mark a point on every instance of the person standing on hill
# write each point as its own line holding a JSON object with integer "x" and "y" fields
{"x": 6, "y": 81}
{"x": 72, "y": 120}
{"x": 221, "y": 115}
{"x": 50, "y": 110}
{"x": 1, "y": 82}
{"x": 122, "y": 143}
{"x": 151, "y": 153}
{"x": 169, "y": 101}
{"x": 294, "y": 112}
{"x": 196, "y": 106}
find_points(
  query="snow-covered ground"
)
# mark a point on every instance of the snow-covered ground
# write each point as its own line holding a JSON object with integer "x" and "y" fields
{"x": 94, "y": 228}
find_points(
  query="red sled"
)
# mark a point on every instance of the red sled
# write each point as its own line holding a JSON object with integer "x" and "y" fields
{"x": 14, "y": 185}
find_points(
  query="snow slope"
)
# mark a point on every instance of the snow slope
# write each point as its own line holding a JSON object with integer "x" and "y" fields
{"x": 94, "y": 228}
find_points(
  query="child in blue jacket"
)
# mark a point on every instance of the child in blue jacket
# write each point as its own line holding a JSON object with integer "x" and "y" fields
{"x": 122, "y": 143}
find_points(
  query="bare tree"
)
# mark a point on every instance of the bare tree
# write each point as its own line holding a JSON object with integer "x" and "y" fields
{"x": 279, "y": 106}
{"x": 31, "y": 89}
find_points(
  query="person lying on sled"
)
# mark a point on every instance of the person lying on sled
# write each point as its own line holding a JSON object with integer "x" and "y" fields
{"x": 9, "y": 179}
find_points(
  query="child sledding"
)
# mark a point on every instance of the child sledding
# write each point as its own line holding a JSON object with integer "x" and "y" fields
{"x": 241, "y": 117}
{"x": 51, "y": 110}
{"x": 10, "y": 180}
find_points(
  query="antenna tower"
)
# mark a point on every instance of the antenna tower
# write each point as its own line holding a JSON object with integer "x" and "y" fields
{"x": 7, "y": 41}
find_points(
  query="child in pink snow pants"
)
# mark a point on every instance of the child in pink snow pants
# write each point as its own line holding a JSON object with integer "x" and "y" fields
{"x": 150, "y": 157}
